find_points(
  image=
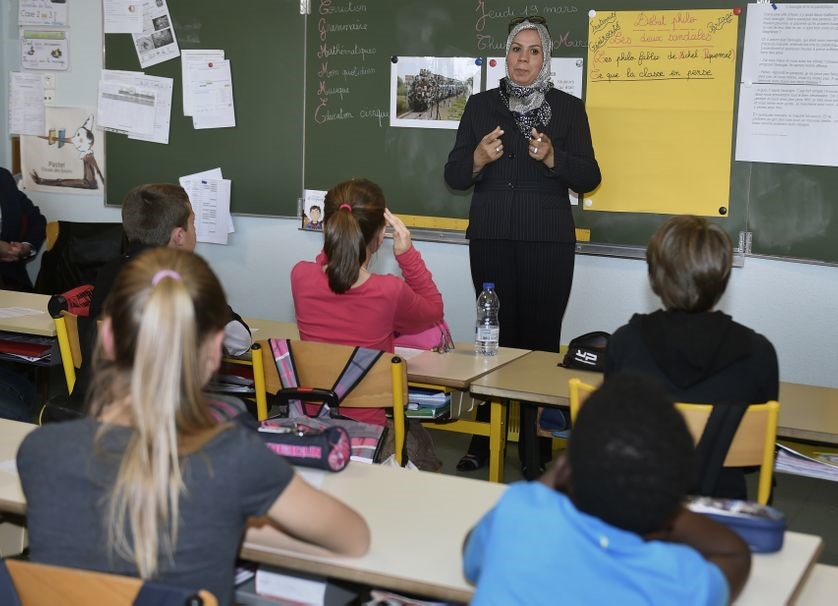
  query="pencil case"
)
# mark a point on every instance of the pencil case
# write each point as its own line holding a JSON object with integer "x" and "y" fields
{"x": 327, "y": 448}
{"x": 762, "y": 527}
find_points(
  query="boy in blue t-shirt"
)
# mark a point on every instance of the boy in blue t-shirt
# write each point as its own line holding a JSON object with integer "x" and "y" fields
{"x": 606, "y": 525}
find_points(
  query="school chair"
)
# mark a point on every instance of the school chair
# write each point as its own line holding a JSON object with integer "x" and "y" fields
{"x": 319, "y": 365}
{"x": 579, "y": 392}
{"x": 67, "y": 331}
{"x": 43, "y": 585}
{"x": 753, "y": 442}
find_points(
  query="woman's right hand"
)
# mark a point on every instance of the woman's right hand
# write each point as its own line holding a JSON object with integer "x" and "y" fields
{"x": 488, "y": 150}
{"x": 401, "y": 235}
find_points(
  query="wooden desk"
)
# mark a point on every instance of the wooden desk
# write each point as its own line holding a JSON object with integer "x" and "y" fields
{"x": 40, "y": 325}
{"x": 535, "y": 377}
{"x": 458, "y": 369}
{"x": 808, "y": 412}
{"x": 11, "y": 495}
{"x": 272, "y": 329}
{"x": 418, "y": 522}
{"x": 416, "y": 551}
{"x": 821, "y": 588}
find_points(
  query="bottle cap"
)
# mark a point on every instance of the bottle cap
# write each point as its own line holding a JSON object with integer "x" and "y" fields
{"x": 488, "y": 285}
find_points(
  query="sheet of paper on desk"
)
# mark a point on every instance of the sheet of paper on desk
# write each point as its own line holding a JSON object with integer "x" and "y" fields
{"x": 18, "y": 312}
{"x": 295, "y": 589}
{"x": 791, "y": 461}
{"x": 408, "y": 352}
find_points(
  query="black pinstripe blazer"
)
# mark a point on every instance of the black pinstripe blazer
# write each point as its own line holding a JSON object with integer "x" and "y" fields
{"x": 516, "y": 197}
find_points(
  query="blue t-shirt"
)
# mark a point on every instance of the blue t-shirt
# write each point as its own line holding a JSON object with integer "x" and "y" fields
{"x": 535, "y": 547}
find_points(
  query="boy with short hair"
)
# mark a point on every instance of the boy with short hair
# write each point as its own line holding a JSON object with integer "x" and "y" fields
{"x": 607, "y": 524}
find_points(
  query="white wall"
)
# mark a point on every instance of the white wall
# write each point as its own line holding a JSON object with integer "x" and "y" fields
{"x": 793, "y": 304}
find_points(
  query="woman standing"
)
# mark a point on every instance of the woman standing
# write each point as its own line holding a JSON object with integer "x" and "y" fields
{"x": 522, "y": 146}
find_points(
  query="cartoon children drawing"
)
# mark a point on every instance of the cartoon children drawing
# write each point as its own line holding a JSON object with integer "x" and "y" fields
{"x": 82, "y": 140}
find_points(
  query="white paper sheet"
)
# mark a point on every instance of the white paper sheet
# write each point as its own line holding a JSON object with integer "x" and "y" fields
{"x": 27, "y": 114}
{"x": 158, "y": 42}
{"x": 42, "y": 12}
{"x": 123, "y": 16}
{"x": 162, "y": 101}
{"x": 187, "y": 182}
{"x": 212, "y": 95}
{"x": 190, "y": 57}
{"x": 788, "y": 99}
{"x": 126, "y": 108}
{"x": 791, "y": 44}
{"x": 45, "y": 49}
{"x": 788, "y": 124}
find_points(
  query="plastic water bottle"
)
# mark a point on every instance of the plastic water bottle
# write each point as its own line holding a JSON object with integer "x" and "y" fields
{"x": 487, "y": 331}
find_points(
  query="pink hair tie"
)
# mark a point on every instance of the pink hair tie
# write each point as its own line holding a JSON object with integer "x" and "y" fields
{"x": 345, "y": 206}
{"x": 163, "y": 274}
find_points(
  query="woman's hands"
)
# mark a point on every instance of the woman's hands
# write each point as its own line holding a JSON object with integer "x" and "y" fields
{"x": 401, "y": 235}
{"x": 541, "y": 148}
{"x": 488, "y": 150}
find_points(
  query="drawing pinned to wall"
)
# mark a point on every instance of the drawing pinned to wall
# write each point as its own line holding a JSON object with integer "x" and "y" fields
{"x": 431, "y": 92}
{"x": 45, "y": 49}
{"x": 565, "y": 72}
{"x": 69, "y": 159}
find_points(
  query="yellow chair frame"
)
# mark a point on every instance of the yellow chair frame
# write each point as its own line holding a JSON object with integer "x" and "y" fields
{"x": 67, "y": 331}
{"x": 44, "y": 585}
{"x": 320, "y": 364}
{"x": 752, "y": 445}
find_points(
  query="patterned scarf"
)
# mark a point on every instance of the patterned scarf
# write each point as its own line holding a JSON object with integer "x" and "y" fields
{"x": 527, "y": 103}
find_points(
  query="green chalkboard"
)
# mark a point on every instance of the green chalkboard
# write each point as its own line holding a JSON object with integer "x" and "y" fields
{"x": 312, "y": 108}
{"x": 262, "y": 155}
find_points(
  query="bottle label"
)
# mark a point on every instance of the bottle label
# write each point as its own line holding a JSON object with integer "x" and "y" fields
{"x": 487, "y": 333}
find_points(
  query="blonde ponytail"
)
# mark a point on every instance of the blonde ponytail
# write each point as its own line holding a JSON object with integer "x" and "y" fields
{"x": 159, "y": 329}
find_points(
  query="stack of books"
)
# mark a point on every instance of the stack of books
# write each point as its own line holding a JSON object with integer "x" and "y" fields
{"x": 427, "y": 403}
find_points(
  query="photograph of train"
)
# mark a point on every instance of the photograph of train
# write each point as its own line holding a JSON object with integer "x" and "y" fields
{"x": 431, "y": 92}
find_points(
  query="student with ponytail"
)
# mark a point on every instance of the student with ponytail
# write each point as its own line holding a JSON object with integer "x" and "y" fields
{"x": 338, "y": 300}
{"x": 149, "y": 484}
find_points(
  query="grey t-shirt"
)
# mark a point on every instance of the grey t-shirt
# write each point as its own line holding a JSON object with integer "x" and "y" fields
{"x": 66, "y": 477}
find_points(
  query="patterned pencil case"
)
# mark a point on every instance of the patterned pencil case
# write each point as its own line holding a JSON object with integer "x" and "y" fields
{"x": 328, "y": 448}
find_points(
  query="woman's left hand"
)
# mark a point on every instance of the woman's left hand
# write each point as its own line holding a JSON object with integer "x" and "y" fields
{"x": 401, "y": 235}
{"x": 541, "y": 148}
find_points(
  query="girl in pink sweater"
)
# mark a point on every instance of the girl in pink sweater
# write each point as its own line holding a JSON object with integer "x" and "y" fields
{"x": 337, "y": 299}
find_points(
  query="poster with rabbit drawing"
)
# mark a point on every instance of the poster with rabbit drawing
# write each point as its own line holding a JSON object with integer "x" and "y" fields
{"x": 70, "y": 158}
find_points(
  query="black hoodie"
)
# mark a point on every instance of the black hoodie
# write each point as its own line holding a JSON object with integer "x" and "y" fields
{"x": 702, "y": 357}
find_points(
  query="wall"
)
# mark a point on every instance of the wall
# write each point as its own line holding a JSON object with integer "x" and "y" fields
{"x": 793, "y": 304}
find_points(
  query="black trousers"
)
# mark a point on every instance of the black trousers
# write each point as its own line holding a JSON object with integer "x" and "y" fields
{"x": 533, "y": 281}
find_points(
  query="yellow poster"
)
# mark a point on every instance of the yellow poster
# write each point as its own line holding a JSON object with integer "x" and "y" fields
{"x": 660, "y": 103}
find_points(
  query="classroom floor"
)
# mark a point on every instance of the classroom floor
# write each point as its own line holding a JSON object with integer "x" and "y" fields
{"x": 810, "y": 505}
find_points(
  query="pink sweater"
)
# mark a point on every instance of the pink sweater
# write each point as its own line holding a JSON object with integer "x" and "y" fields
{"x": 366, "y": 315}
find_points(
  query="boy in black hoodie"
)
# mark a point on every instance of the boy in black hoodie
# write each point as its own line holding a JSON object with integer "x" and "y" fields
{"x": 697, "y": 354}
